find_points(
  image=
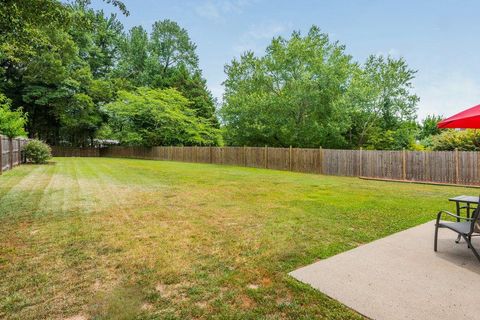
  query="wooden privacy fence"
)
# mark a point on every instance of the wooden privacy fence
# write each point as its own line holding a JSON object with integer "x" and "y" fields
{"x": 451, "y": 167}
{"x": 11, "y": 154}
{"x": 75, "y": 152}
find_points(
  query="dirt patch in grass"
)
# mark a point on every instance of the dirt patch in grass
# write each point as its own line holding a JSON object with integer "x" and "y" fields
{"x": 119, "y": 303}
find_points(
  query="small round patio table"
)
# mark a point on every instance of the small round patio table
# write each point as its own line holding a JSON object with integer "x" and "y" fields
{"x": 468, "y": 203}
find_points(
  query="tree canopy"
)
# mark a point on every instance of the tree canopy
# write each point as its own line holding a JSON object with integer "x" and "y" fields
{"x": 380, "y": 105}
{"x": 61, "y": 63}
{"x": 153, "y": 117}
{"x": 287, "y": 97}
{"x": 166, "y": 58}
{"x": 67, "y": 72}
{"x": 306, "y": 91}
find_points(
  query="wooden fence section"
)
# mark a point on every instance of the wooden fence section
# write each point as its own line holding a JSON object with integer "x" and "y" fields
{"x": 452, "y": 167}
{"x": 75, "y": 152}
{"x": 11, "y": 152}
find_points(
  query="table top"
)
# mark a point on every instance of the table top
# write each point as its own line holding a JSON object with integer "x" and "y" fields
{"x": 467, "y": 199}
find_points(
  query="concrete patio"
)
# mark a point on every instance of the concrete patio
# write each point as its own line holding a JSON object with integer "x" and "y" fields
{"x": 401, "y": 277}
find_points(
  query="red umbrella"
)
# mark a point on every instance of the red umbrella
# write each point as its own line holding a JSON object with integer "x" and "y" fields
{"x": 467, "y": 119}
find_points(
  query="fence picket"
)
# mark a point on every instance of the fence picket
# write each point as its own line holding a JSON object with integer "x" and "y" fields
{"x": 11, "y": 154}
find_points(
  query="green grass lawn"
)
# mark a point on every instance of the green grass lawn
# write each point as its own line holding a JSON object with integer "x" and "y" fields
{"x": 134, "y": 239}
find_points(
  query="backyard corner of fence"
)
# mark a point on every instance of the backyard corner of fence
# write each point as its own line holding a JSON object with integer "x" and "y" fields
{"x": 11, "y": 154}
{"x": 443, "y": 167}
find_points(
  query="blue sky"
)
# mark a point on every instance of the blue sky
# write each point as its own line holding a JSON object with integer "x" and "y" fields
{"x": 439, "y": 38}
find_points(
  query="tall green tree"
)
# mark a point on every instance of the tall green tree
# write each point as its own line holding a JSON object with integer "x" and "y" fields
{"x": 25, "y": 25}
{"x": 170, "y": 48}
{"x": 98, "y": 38}
{"x": 49, "y": 70}
{"x": 194, "y": 88}
{"x": 133, "y": 58}
{"x": 427, "y": 130}
{"x": 166, "y": 58}
{"x": 380, "y": 104}
{"x": 288, "y": 96}
{"x": 428, "y": 126}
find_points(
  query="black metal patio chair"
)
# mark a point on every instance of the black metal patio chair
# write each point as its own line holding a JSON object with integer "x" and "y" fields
{"x": 467, "y": 229}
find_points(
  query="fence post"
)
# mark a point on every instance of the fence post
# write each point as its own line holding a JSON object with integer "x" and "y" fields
{"x": 426, "y": 170}
{"x": 266, "y": 157}
{"x": 360, "y": 169}
{"x": 404, "y": 164}
{"x": 290, "y": 159}
{"x": 244, "y": 155}
{"x": 456, "y": 166}
{"x": 321, "y": 160}
{"x": 210, "y": 154}
{"x": 10, "y": 153}
{"x": 20, "y": 160}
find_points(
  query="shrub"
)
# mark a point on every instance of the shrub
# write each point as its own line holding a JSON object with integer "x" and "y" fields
{"x": 37, "y": 151}
{"x": 463, "y": 140}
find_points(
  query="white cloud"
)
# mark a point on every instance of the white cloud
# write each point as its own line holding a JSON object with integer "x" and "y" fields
{"x": 234, "y": 6}
{"x": 392, "y": 52}
{"x": 208, "y": 10}
{"x": 266, "y": 30}
{"x": 447, "y": 94}
{"x": 216, "y": 10}
{"x": 258, "y": 36}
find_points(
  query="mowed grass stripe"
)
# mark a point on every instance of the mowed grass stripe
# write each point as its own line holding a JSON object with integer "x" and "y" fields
{"x": 106, "y": 238}
{"x": 22, "y": 197}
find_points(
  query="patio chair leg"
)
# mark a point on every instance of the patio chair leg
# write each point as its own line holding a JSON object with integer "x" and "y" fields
{"x": 471, "y": 247}
{"x": 436, "y": 238}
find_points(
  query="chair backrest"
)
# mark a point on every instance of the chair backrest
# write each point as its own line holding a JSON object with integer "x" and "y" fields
{"x": 476, "y": 219}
